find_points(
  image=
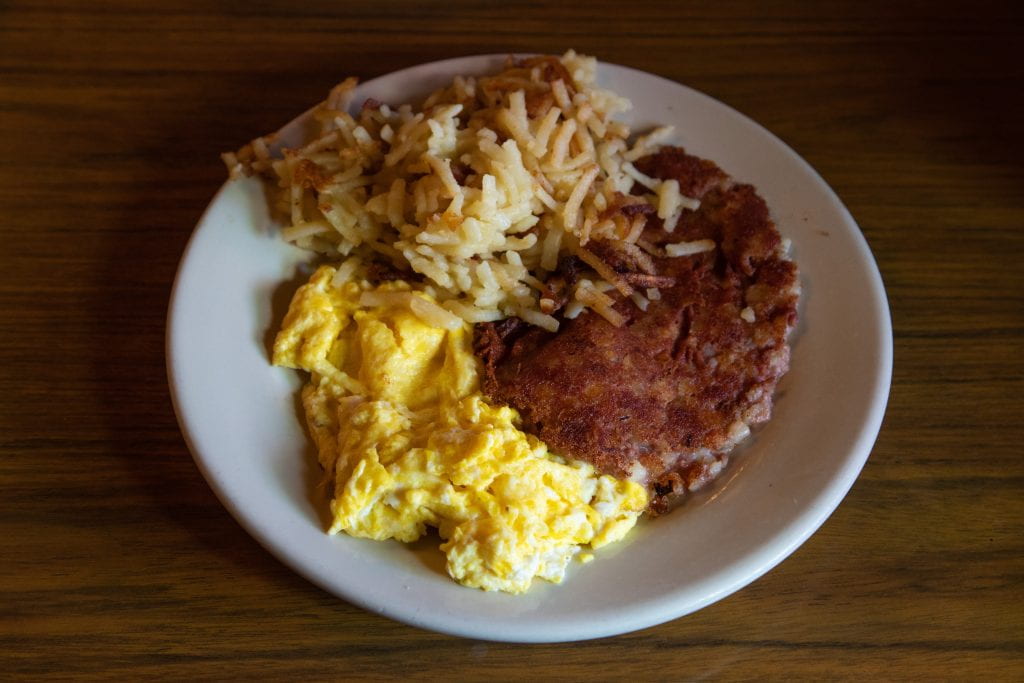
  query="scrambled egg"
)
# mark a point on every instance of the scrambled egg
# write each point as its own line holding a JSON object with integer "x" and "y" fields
{"x": 409, "y": 442}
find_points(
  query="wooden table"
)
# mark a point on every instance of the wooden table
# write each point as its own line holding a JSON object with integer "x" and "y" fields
{"x": 115, "y": 557}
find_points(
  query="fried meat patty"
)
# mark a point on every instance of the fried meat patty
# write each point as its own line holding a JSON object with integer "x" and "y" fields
{"x": 664, "y": 397}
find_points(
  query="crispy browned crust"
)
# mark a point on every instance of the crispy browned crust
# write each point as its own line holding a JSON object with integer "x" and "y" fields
{"x": 378, "y": 272}
{"x": 664, "y": 389}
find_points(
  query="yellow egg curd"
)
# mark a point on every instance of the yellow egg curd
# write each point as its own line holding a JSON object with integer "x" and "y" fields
{"x": 409, "y": 442}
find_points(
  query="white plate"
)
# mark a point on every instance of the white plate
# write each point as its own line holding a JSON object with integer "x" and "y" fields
{"x": 239, "y": 415}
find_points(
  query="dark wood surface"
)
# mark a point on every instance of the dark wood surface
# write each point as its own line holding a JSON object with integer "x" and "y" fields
{"x": 116, "y": 558}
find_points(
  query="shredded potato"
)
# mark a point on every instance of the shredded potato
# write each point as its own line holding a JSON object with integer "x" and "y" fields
{"x": 482, "y": 190}
{"x": 688, "y": 248}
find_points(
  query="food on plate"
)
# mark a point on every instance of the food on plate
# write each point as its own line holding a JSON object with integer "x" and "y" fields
{"x": 536, "y": 324}
{"x": 664, "y": 397}
{"x": 402, "y": 430}
{"x": 479, "y": 191}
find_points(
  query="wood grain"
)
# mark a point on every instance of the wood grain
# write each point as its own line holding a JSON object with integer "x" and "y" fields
{"x": 118, "y": 561}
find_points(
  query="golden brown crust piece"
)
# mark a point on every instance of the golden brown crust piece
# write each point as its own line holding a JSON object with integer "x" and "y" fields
{"x": 667, "y": 389}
